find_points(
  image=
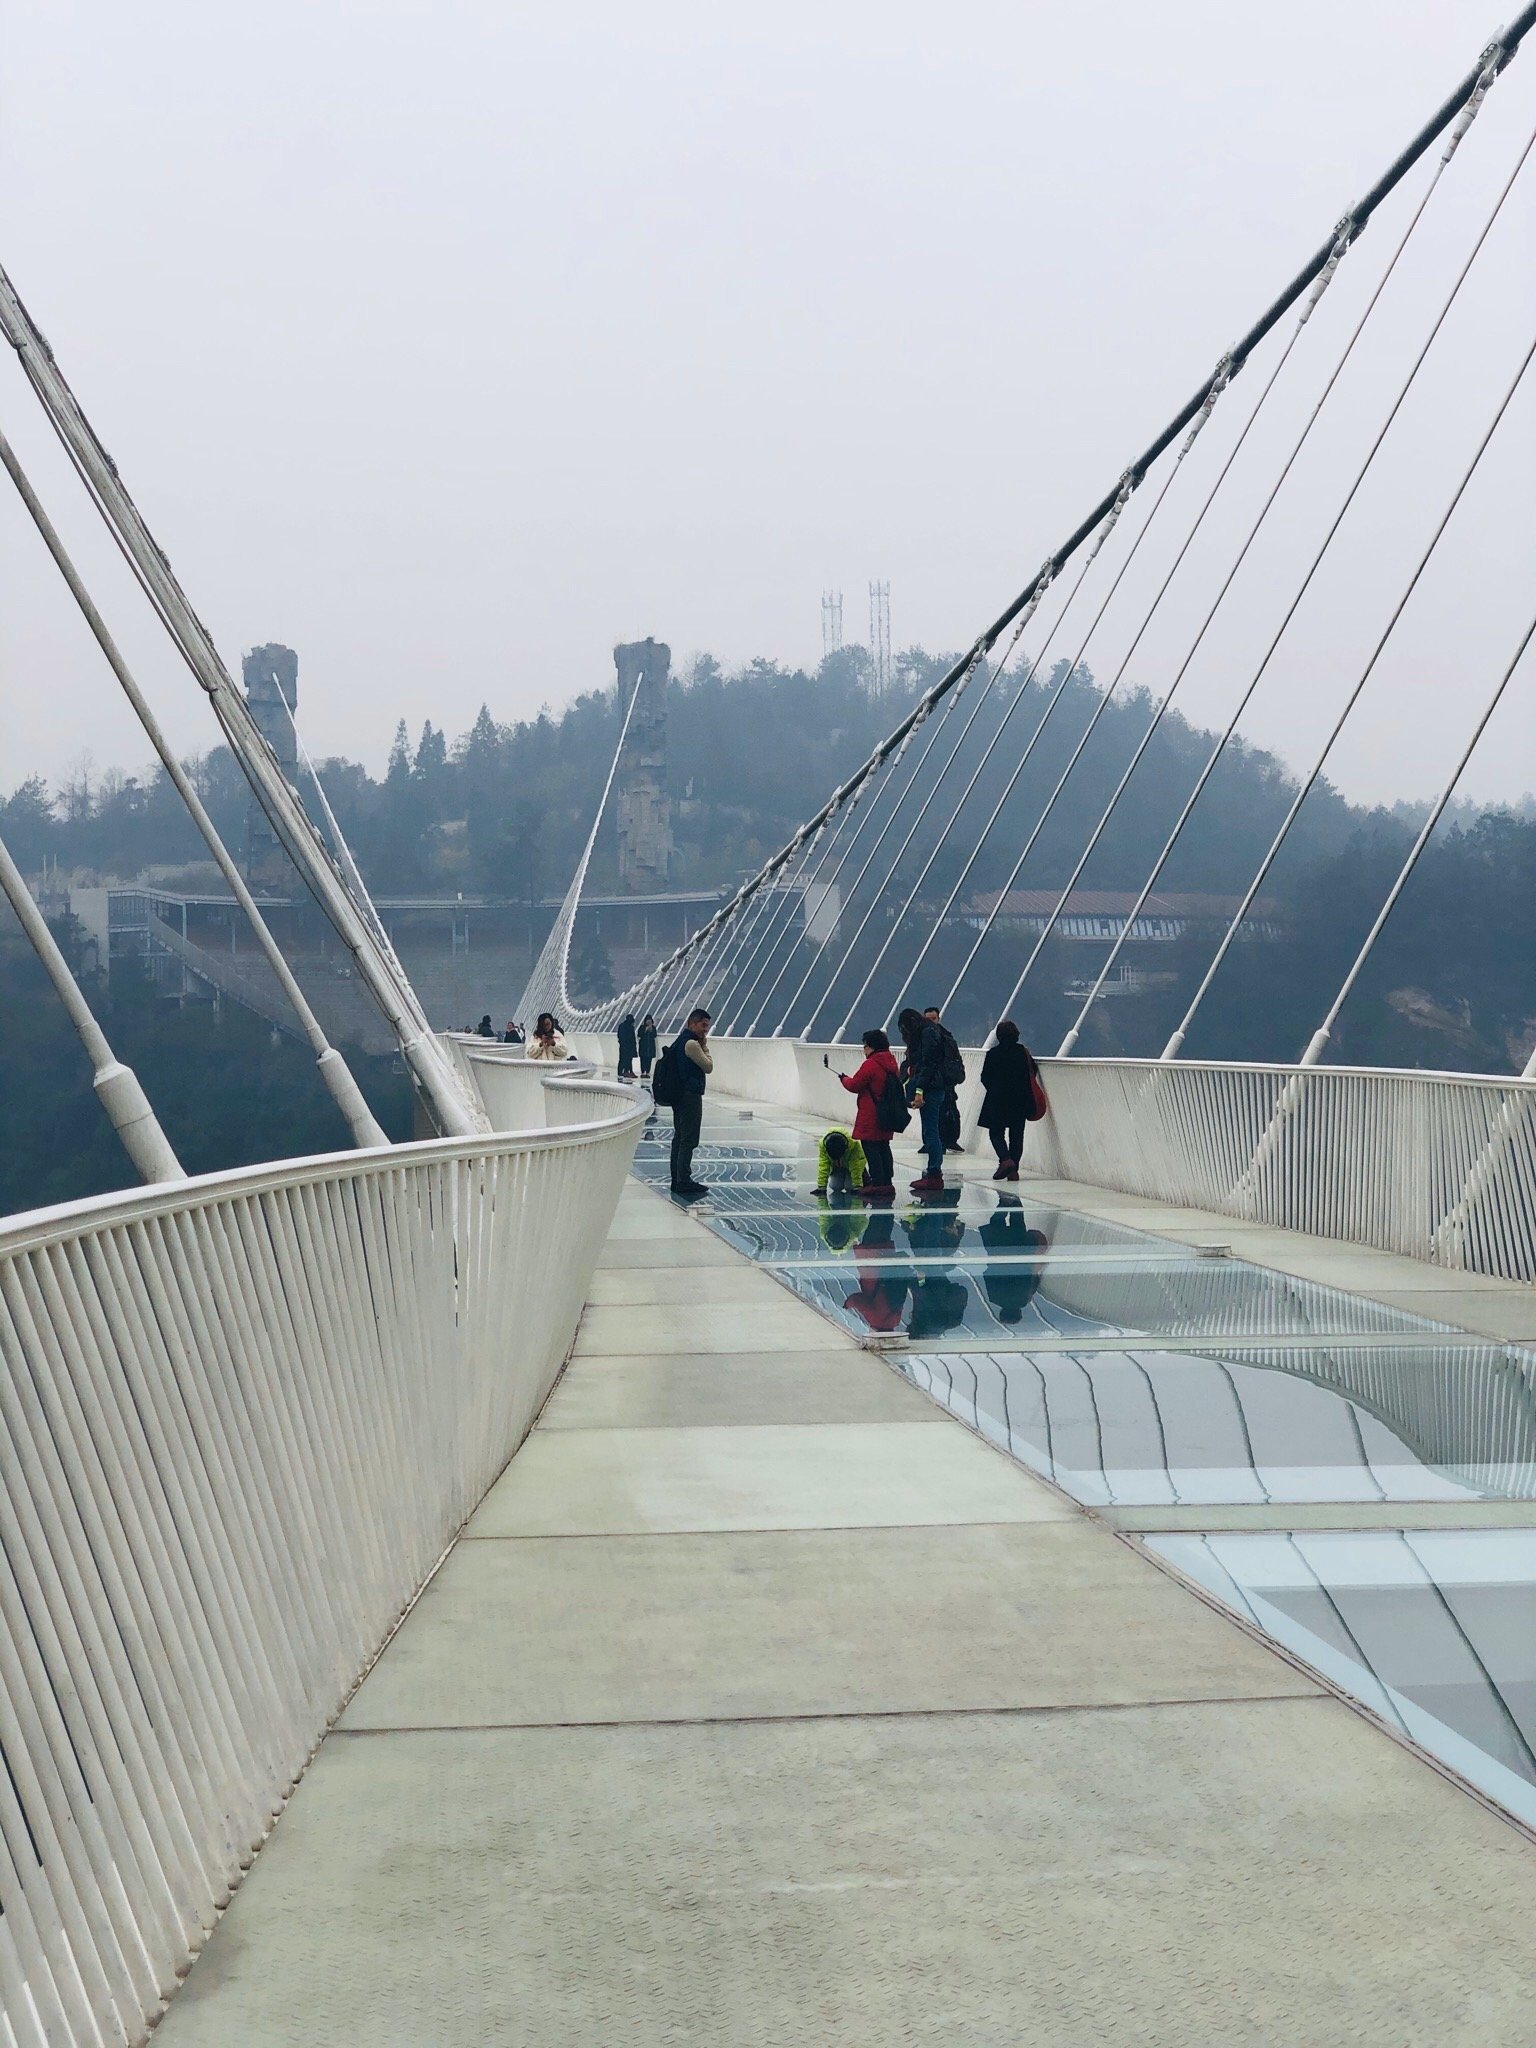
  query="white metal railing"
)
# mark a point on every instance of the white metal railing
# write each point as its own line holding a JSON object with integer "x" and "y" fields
{"x": 241, "y": 1419}
{"x": 1441, "y": 1167}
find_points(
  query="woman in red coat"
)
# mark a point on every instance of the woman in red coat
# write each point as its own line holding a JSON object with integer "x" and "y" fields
{"x": 868, "y": 1084}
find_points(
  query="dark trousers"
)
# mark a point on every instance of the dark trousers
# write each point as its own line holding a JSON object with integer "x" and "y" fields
{"x": 645, "y": 1066}
{"x": 1007, "y": 1141}
{"x": 932, "y": 1115}
{"x": 687, "y": 1116}
{"x": 877, "y": 1157}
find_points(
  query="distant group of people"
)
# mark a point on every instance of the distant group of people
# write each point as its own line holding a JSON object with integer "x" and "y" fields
{"x": 927, "y": 1078}
{"x": 636, "y": 1041}
{"x": 545, "y": 1042}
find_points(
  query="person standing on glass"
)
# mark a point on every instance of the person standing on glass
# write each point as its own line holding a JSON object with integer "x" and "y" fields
{"x": 647, "y": 1044}
{"x": 1009, "y": 1078}
{"x": 871, "y": 1083}
{"x": 628, "y": 1046}
{"x": 691, "y": 1067}
{"x": 928, "y": 1090}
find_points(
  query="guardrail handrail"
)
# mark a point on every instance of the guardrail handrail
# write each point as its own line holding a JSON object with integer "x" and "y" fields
{"x": 242, "y": 1418}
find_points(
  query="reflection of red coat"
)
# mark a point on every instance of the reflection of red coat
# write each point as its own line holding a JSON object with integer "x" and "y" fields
{"x": 880, "y": 1298}
{"x": 867, "y": 1084}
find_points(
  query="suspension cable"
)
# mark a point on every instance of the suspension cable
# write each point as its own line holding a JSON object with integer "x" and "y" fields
{"x": 1349, "y": 703}
{"x": 831, "y": 884}
{"x": 935, "y": 728}
{"x": 1059, "y": 908}
{"x": 776, "y": 915}
{"x": 767, "y": 948}
{"x": 334, "y": 1071}
{"x": 456, "y": 1112}
{"x": 1128, "y": 485}
{"x": 1324, "y": 1031}
{"x": 979, "y": 701}
{"x": 997, "y": 810}
{"x": 552, "y": 967}
{"x": 1468, "y": 115}
{"x": 117, "y": 1087}
{"x": 1493, "y": 60}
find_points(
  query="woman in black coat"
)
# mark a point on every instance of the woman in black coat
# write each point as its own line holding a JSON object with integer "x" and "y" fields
{"x": 627, "y": 1046}
{"x": 647, "y": 1045}
{"x": 1008, "y": 1077}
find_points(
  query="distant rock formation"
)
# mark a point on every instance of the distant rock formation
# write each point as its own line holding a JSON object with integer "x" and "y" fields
{"x": 644, "y": 807}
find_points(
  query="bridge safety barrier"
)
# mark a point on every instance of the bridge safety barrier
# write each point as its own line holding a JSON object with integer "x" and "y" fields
{"x": 241, "y": 1419}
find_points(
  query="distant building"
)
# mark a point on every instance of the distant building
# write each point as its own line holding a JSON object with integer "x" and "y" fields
{"x": 1102, "y": 913}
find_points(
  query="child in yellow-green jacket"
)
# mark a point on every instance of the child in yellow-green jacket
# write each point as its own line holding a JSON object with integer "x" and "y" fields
{"x": 840, "y": 1165}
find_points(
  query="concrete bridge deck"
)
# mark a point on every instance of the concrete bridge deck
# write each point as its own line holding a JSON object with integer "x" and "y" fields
{"x": 764, "y": 1703}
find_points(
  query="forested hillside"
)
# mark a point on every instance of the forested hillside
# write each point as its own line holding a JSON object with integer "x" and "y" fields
{"x": 228, "y": 1092}
{"x": 502, "y": 811}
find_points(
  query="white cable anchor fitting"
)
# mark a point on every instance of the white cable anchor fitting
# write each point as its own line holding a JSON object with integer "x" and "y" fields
{"x": 1343, "y": 235}
{"x": 1220, "y": 379}
{"x": 1128, "y": 484}
{"x": 1493, "y": 57}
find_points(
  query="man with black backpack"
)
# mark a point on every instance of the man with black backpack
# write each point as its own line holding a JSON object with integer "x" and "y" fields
{"x": 678, "y": 1084}
{"x": 956, "y": 1065}
{"x": 934, "y": 1071}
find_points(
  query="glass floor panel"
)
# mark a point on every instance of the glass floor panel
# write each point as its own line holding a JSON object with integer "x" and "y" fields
{"x": 936, "y": 1301}
{"x": 1132, "y": 1371}
{"x": 969, "y": 1269}
{"x": 1251, "y": 1425}
{"x": 1435, "y": 1631}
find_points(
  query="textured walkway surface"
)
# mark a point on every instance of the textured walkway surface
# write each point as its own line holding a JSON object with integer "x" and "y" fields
{"x": 765, "y": 1705}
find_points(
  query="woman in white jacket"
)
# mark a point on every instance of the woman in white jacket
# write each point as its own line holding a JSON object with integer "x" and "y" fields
{"x": 546, "y": 1042}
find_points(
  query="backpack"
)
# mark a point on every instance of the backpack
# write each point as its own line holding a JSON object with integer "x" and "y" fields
{"x": 949, "y": 1123}
{"x": 1039, "y": 1101}
{"x": 953, "y": 1068}
{"x": 666, "y": 1082}
{"x": 891, "y": 1106}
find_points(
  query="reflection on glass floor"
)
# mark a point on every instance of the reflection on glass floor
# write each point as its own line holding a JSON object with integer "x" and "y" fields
{"x": 976, "y": 1266}
{"x": 1148, "y": 1428}
{"x": 1435, "y": 1631}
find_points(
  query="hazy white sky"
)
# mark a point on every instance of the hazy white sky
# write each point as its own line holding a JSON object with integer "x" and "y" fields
{"x": 452, "y": 342}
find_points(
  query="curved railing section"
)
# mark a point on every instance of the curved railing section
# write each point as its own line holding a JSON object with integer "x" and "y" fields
{"x": 241, "y": 1419}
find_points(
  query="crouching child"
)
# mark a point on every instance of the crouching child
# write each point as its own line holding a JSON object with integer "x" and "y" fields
{"x": 840, "y": 1164}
